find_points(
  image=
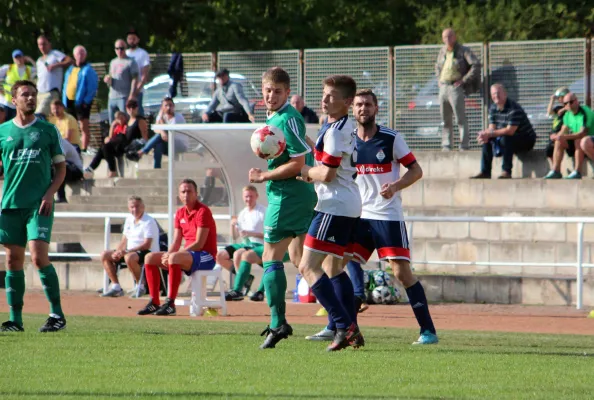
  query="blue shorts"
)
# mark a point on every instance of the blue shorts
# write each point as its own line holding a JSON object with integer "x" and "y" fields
{"x": 389, "y": 238}
{"x": 202, "y": 261}
{"x": 329, "y": 234}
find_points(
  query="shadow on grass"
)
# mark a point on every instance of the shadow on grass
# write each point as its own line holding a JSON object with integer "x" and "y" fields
{"x": 82, "y": 394}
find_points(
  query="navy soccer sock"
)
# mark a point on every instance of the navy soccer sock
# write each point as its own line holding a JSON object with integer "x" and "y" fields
{"x": 324, "y": 291}
{"x": 343, "y": 287}
{"x": 356, "y": 275}
{"x": 418, "y": 302}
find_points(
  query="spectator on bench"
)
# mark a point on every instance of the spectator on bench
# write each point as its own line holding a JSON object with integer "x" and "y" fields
{"x": 510, "y": 132}
{"x": 159, "y": 142}
{"x": 139, "y": 238}
{"x": 74, "y": 168}
{"x": 115, "y": 144}
{"x": 195, "y": 225}
{"x": 307, "y": 113}
{"x": 578, "y": 127}
{"x": 228, "y": 103}
{"x": 66, "y": 124}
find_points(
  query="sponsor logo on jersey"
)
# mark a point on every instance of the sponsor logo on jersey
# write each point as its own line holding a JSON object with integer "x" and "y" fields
{"x": 34, "y": 136}
{"x": 24, "y": 154}
{"x": 364, "y": 169}
{"x": 42, "y": 229}
{"x": 380, "y": 155}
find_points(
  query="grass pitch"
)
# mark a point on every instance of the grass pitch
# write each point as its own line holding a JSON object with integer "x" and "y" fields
{"x": 98, "y": 357}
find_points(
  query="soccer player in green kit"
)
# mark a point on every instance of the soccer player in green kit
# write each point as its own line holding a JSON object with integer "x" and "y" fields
{"x": 28, "y": 148}
{"x": 290, "y": 201}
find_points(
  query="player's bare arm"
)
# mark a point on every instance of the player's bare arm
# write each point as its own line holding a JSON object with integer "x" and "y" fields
{"x": 319, "y": 173}
{"x": 47, "y": 200}
{"x": 290, "y": 169}
{"x": 413, "y": 173}
{"x": 201, "y": 236}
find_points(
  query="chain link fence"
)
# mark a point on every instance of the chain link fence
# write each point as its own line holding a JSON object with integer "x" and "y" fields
{"x": 416, "y": 98}
{"x": 252, "y": 64}
{"x": 532, "y": 70}
{"x": 370, "y": 67}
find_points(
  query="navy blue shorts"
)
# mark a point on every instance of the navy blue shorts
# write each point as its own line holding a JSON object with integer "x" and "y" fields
{"x": 202, "y": 261}
{"x": 329, "y": 234}
{"x": 389, "y": 238}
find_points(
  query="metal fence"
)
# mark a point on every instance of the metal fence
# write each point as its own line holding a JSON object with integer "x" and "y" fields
{"x": 416, "y": 97}
{"x": 532, "y": 70}
{"x": 370, "y": 67}
{"x": 252, "y": 64}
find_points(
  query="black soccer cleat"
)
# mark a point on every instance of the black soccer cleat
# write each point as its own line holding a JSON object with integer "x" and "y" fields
{"x": 54, "y": 323}
{"x": 10, "y": 326}
{"x": 275, "y": 335}
{"x": 167, "y": 309}
{"x": 150, "y": 308}
{"x": 345, "y": 338}
{"x": 258, "y": 296}
{"x": 233, "y": 295}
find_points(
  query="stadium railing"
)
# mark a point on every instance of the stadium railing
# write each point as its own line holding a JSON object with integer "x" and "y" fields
{"x": 579, "y": 264}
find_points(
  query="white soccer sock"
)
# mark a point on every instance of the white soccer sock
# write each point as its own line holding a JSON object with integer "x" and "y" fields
{"x": 116, "y": 286}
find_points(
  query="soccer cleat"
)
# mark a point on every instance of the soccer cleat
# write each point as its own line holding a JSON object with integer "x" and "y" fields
{"x": 10, "y": 326}
{"x": 150, "y": 308}
{"x": 325, "y": 335}
{"x": 344, "y": 338}
{"x": 113, "y": 293}
{"x": 427, "y": 338}
{"x": 168, "y": 308}
{"x": 275, "y": 335}
{"x": 553, "y": 175}
{"x": 358, "y": 341}
{"x": 574, "y": 175}
{"x": 233, "y": 295}
{"x": 248, "y": 285}
{"x": 258, "y": 296}
{"x": 361, "y": 304}
{"x": 54, "y": 323}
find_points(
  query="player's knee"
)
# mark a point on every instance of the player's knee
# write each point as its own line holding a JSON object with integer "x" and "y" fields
{"x": 105, "y": 255}
{"x": 39, "y": 260}
{"x": 152, "y": 259}
{"x": 237, "y": 256}
{"x": 131, "y": 258}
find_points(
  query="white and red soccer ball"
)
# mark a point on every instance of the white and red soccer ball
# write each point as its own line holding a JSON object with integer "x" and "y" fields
{"x": 268, "y": 142}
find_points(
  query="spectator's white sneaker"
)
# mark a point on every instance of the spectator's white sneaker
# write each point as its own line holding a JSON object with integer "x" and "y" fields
{"x": 141, "y": 293}
{"x": 114, "y": 293}
{"x": 325, "y": 335}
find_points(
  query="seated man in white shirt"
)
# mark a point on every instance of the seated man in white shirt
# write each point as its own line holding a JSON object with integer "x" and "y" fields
{"x": 140, "y": 237}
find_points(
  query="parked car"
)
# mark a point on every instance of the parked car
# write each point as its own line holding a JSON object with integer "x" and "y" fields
{"x": 199, "y": 93}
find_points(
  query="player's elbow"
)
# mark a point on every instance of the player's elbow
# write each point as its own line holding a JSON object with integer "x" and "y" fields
{"x": 416, "y": 170}
{"x": 329, "y": 174}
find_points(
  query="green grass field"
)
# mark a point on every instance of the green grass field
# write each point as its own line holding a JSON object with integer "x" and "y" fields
{"x": 168, "y": 358}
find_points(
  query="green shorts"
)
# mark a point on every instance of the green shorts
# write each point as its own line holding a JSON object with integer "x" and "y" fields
{"x": 20, "y": 225}
{"x": 287, "y": 220}
{"x": 259, "y": 250}
{"x": 232, "y": 248}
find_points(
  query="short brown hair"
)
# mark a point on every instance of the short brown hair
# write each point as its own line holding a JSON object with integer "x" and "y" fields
{"x": 277, "y": 75}
{"x": 250, "y": 188}
{"x": 135, "y": 198}
{"x": 367, "y": 92}
{"x": 19, "y": 84}
{"x": 119, "y": 114}
{"x": 57, "y": 102}
{"x": 189, "y": 181}
{"x": 343, "y": 83}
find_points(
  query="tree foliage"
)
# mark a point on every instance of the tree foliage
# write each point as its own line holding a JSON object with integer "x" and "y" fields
{"x": 215, "y": 25}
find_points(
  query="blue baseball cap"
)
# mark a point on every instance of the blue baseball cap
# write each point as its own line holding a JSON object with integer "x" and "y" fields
{"x": 17, "y": 53}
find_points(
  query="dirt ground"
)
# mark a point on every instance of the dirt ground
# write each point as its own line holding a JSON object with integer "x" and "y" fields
{"x": 478, "y": 317}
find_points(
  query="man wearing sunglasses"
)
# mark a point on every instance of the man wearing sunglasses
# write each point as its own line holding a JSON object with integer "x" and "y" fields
{"x": 578, "y": 126}
{"x": 122, "y": 80}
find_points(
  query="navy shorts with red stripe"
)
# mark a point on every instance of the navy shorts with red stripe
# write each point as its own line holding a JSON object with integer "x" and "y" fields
{"x": 201, "y": 261}
{"x": 329, "y": 234}
{"x": 389, "y": 238}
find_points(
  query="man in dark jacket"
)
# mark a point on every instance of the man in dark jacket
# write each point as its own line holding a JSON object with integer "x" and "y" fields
{"x": 458, "y": 72}
{"x": 307, "y": 113}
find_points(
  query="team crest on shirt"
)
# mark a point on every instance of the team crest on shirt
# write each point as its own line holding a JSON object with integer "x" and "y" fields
{"x": 34, "y": 136}
{"x": 380, "y": 155}
{"x": 182, "y": 221}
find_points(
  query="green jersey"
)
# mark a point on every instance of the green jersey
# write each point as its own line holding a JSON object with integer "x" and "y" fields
{"x": 575, "y": 122}
{"x": 27, "y": 155}
{"x": 290, "y": 121}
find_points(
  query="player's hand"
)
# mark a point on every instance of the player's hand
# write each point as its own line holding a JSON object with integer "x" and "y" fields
{"x": 107, "y": 79}
{"x": 252, "y": 118}
{"x": 256, "y": 175}
{"x": 304, "y": 179}
{"x": 117, "y": 255}
{"x": 47, "y": 205}
{"x": 205, "y": 117}
{"x": 165, "y": 259}
{"x": 388, "y": 190}
{"x": 106, "y": 140}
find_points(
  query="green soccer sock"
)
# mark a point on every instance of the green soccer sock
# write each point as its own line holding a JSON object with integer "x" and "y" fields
{"x": 51, "y": 287}
{"x": 261, "y": 287}
{"x": 15, "y": 291}
{"x": 243, "y": 274}
{"x": 275, "y": 285}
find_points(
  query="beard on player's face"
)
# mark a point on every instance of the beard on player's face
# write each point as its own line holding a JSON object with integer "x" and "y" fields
{"x": 366, "y": 121}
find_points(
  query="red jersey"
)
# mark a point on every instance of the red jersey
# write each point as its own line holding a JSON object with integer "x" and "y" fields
{"x": 199, "y": 217}
{"x": 120, "y": 129}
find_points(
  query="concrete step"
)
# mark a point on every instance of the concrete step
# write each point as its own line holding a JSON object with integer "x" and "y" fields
{"x": 122, "y": 207}
{"x": 498, "y": 251}
{"x": 455, "y": 164}
{"x": 118, "y": 199}
{"x": 501, "y": 194}
{"x": 531, "y": 232}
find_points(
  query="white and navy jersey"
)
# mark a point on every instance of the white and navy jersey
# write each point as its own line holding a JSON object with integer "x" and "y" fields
{"x": 334, "y": 148}
{"x": 378, "y": 162}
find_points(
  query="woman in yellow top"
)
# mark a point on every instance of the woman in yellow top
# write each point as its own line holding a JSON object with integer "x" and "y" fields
{"x": 65, "y": 123}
